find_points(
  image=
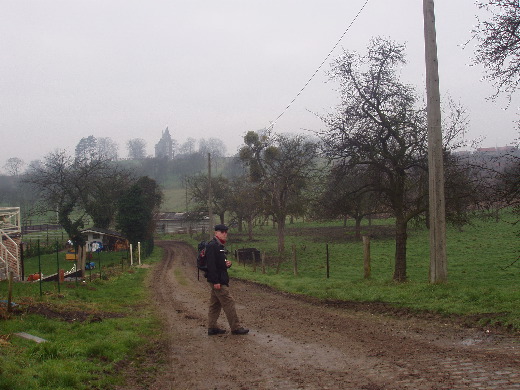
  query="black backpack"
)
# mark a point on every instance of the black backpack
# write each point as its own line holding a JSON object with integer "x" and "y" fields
{"x": 202, "y": 264}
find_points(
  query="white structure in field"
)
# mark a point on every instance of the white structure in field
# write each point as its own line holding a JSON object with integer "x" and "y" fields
{"x": 11, "y": 233}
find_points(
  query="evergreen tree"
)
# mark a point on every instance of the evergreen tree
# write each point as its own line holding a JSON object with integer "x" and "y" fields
{"x": 136, "y": 212}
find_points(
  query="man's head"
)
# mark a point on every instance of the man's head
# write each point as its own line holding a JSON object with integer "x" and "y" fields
{"x": 221, "y": 232}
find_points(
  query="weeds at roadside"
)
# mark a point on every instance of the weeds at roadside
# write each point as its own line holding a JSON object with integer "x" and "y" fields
{"x": 90, "y": 329}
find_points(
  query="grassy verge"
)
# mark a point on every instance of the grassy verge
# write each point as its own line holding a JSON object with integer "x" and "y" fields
{"x": 91, "y": 329}
{"x": 483, "y": 268}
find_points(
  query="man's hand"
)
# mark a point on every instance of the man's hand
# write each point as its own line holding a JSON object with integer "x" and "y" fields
{"x": 216, "y": 286}
{"x": 228, "y": 263}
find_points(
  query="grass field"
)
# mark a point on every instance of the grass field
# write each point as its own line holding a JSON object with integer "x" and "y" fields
{"x": 174, "y": 200}
{"x": 483, "y": 267}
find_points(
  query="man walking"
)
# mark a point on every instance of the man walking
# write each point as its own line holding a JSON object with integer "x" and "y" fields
{"x": 218, "y": 280}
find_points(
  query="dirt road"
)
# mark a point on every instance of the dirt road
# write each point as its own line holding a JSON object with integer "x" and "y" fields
{"x": 298, "y": 343}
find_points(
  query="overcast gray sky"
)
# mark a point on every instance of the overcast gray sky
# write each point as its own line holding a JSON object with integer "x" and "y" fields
{"x": 208, "y": 68}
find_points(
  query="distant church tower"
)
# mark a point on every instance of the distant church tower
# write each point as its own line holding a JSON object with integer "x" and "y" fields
{"x": 164, "y": 148}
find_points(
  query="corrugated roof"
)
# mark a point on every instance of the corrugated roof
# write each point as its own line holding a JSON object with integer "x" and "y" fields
{"x": 103, "y": 231}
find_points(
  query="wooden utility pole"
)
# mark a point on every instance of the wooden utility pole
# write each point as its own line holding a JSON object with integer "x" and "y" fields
{"x": 438, "y": 261}
{"x": 210, "y": 200}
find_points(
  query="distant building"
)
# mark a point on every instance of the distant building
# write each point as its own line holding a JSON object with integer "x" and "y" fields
{"x": 164, "y": 148}
{"x": 173, "y": 222}
{"x": 498, "y": 149}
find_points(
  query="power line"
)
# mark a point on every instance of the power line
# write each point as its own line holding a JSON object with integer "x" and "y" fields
{"x": 319, "y": 67}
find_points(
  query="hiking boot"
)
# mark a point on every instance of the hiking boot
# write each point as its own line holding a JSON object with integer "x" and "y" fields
{"x": 215, "y": 331}
{"x": 240, "y": 331}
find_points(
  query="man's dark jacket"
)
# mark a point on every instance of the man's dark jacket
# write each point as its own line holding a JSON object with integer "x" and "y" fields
{"x": 216, "y": 260}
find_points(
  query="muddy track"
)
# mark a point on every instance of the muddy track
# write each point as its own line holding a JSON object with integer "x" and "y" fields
{"x": 297, "y": 343}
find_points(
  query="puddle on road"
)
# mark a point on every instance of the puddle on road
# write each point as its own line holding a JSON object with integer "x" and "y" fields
{"x": 470, "y": 342}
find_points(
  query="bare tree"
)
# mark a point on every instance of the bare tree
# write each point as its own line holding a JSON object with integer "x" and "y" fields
{"x": 78, "y": 190}
{"x": 86, "y": 148}
{"x": 107, "y": 148}
{"x": 348, "y": 193}
{"x": 136, "y": 148}
{"x": 214, "y": 146}
{"x": 499, "y": 43}
{"x": 245, "y": 202}
{"x": 14, "y": 166}
{"x": 381, "y": 126}
{"x": 220, "y": 190}
{"x": 501, "y": 173}
{"x": 510, "y": 182}
{"x": 104, "y": 184}
{"x": 282, "y": 166}
{"x": 188, "y": 147}
{"x": 58, "y": 186}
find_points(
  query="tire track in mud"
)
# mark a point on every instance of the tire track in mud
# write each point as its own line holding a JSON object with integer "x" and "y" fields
{"x": 298, "y": 344}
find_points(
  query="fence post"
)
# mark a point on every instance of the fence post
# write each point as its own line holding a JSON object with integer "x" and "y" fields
{"x": 10, "y": 294}
{"x": 76, "y": 254}
{"x": 366, "y": 256}
{"x": 295, "y": 262}
{"x": 237, "y": 255}
{"x": 99, "y": 261}
{"x": 328, "y": 265}
{"x": 58, "y": 265}
{"x": 40, "y": 267}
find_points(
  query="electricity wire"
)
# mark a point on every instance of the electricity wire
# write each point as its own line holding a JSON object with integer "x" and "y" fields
{"x": 319, "y": 67}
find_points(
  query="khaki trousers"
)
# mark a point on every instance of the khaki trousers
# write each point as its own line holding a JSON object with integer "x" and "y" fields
{"x": 222, "y": 299}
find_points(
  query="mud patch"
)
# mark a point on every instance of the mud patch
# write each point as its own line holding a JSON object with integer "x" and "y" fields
{"x": 54, "y": 312}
